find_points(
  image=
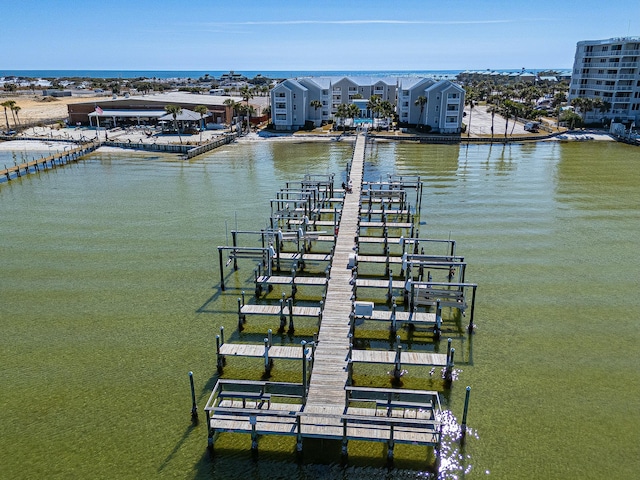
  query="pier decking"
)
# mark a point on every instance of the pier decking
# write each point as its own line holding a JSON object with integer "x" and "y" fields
{"x": 326, "y": 405}
{"x": 330, "y": 373}
{"x": 49, "y": 161}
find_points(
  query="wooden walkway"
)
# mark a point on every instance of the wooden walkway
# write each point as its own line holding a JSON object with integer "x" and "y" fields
{"x": 50, "y": 161}
{"x": 330, "y": 369}
{"x": 326, "y": 405}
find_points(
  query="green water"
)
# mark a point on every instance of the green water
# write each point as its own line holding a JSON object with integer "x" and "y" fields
{"x": 109, "y": 296}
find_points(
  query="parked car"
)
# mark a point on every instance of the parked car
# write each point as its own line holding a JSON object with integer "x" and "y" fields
{"x": 532, "y": 127}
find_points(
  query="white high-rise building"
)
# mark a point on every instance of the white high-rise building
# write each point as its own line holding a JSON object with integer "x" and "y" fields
{"x": 608, "y": 70}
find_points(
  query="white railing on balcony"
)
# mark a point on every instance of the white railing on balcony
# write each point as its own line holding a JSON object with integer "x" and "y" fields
{"x": 603, "y": 76}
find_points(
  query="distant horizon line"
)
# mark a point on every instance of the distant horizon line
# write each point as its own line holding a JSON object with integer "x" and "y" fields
{"x": 182, "y": 73}
{"x": 271, "y": 70}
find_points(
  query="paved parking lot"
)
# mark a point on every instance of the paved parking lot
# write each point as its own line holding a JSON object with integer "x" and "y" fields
{"x": 480, "y": 122}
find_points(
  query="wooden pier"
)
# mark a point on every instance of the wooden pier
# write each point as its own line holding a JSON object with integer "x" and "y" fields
{"x": 330, "y": 370}
{"x": 325, "y": 405}
{"x": 48, "y": 162}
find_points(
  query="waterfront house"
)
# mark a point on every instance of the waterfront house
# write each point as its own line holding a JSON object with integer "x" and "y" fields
{"x": 291, "y": 100}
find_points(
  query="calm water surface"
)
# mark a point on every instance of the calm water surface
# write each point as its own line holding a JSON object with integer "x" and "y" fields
{"x": 109, "y": 296}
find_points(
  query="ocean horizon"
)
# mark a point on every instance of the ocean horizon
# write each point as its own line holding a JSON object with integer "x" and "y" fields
{"x": 165, "y": 74}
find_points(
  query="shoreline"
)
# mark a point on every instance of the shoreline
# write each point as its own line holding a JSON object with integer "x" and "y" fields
{"x": 51, "y": 138}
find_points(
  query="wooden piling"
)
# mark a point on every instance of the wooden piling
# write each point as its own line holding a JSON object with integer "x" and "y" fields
{"x": 194, "y": 406}
{"x": 463, "y": 428}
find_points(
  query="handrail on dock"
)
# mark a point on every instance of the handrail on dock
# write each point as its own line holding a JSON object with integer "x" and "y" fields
{"x": 326, "y": 405}
{"x": 49, "y": 161}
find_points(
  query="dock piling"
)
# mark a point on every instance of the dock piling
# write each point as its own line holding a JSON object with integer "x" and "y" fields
{"x": 268, "y": 362}
{"x": 437, "y": 328}
{"x": 304, "y": 371}
{"x": 463, "y": 428}
{"x": 290, "y": 305}
{"x": 194, "y": 406}
{"x": 449, "y": 367}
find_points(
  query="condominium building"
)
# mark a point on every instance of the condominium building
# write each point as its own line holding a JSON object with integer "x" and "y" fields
{"x": 608, "y": 70}
{"x": 316, "y": 99}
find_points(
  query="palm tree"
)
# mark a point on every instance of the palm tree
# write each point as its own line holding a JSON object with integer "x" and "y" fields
{"x": 585, "y": 105}
{"x": 16, "y": 109}
{"x": 202, "y": 110}
{"x": 602, "y": 106}
{"x": 343, "y": 112}
{"x": 174, "y": 110}
{"x": 247, "y": 94}
{"x": 374, "y": 106}
{"x": 386, "y": 108}
{"x": 251, "y": 112}
{"x": 231, "y": 103}
{"x": 468, "y": 100}
{"x": 421, "y": 101}
{"x": 353, "y": 111}
{"x": 492, "y": 110}
{"x": 12, "y": 107}
{"x": 505, "y": 110}
{"x": 6, "y": 105}
{"x": 316, "y": 104}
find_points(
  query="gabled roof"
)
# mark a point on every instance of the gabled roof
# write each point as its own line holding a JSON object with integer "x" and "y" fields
{"x": 413, "y": 82}
{"x": 325, "y": 82}
{"x": 444, "y": 85}
{"x": 291, "y": 83}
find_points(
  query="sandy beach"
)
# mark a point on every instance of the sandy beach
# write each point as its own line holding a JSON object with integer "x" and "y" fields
{"x": 37, "y": 107}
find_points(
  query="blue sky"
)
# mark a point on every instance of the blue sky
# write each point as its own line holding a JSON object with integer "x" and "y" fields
{"x": 300, "y": 35}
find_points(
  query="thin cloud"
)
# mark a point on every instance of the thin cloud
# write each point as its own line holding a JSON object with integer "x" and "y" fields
{"x": 364, "y": 22}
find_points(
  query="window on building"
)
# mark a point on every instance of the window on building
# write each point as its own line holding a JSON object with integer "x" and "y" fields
{"x": 281, "y": 105}
{"x": 294, "y": 107}
{"x": 452, "y": 119}
{"x": 605, "y": 48}
{"x": 281, "y": 116}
